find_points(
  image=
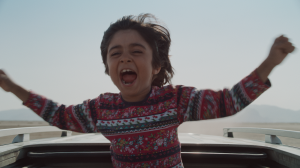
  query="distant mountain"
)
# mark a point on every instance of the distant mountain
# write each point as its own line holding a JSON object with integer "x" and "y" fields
{"x": 19, "y": 115}
{"x": 265, "y": 114}
{"x": 251, "y": 114}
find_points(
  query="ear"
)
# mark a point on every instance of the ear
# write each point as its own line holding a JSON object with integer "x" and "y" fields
{"x": 156, "y": 70}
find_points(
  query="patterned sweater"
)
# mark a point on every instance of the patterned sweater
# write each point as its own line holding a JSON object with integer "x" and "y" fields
{"x": 144, "y": 134}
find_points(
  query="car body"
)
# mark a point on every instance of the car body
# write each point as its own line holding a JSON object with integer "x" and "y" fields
{"x": 197, "y": 150}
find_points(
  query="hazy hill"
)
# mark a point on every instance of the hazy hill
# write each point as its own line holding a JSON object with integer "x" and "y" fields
{"x": 264, "y": 114}
{"x": 19, "y": 115}
{"x": 253, "y": 113}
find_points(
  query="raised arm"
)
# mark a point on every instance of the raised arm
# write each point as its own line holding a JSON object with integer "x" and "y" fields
{"x": 196, "y": 104}
{"x": 79, "y": 118}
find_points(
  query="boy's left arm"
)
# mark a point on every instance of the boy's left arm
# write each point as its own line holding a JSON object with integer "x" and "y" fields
{"x": 196, "y": 104}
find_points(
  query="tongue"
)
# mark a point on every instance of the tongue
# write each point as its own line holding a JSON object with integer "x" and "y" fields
{"x": 129, "y": 78}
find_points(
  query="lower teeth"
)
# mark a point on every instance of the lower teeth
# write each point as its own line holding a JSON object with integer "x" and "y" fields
{"x": 126, "y": 83}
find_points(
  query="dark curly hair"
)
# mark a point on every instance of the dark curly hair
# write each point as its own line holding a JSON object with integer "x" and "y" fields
{"x": 157, "y": 36}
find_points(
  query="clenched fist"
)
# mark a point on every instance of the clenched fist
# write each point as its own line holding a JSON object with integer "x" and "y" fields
{"x": 6, "y": 83}
{"x": 279, "y": 50}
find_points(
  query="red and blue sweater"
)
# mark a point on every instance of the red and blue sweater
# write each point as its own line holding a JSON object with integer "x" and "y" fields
{"x": 144, "y": 134}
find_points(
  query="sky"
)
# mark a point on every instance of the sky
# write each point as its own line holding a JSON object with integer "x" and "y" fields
{"x": 52, "y": 47}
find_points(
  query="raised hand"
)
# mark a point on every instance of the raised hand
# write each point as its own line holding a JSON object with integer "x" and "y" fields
{"x": 6, "y": 83}
{"x": 279, "y": 50}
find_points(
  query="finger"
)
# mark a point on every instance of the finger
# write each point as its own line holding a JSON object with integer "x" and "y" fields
{"x": 281, "y": 39}
{"x": 290, "y": 49}
{"x": 286, "y": 47}
{"x": 277, "y": 39}
{"x": 2, "y": 72}
{"x": 2, "y": 76}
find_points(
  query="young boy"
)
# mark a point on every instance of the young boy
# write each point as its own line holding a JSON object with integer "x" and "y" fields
{"x": 141, "y": 121}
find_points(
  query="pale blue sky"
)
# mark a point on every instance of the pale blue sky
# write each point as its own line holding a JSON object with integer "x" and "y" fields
{"x": 52, "y": 47}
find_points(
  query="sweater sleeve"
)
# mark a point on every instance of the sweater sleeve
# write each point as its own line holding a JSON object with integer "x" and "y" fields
{"x": 196, "y": 104}
{"x": 78, "y": 118}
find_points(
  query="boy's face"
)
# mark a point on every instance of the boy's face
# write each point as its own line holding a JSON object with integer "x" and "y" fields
{"x": 129, "y": 61}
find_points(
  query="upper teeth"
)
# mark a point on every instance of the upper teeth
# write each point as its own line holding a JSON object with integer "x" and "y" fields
{"x": 126, "y": 70}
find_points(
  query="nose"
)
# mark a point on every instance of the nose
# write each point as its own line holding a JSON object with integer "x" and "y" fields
{"x": 125, "y": 58}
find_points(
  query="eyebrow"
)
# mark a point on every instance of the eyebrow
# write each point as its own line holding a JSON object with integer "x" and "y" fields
{"x": 132, "y": 45}
{"x": 137, "y": 44}
{"x": 116, "y": 46}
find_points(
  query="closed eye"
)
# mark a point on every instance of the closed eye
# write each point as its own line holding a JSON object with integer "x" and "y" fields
{"x": 115, "y": 54}
{"x": 137, "y": 52}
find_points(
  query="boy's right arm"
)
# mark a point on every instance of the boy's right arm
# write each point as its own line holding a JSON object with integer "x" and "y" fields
{"x": 79, "y": 118}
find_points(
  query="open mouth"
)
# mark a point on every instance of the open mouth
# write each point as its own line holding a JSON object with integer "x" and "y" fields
{"x": 128, "y": 76}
